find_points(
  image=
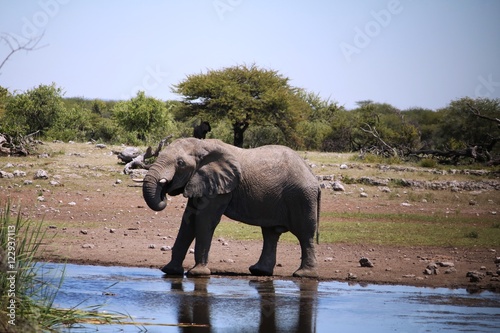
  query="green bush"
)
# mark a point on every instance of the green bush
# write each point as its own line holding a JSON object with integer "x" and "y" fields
{"x": 428, "y": 163}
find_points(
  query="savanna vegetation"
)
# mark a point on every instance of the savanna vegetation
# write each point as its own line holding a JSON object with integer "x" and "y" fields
{"x": 249, "y": 106}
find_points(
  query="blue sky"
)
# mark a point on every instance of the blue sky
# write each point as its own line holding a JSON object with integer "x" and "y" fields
{"x": 407, "y": 53}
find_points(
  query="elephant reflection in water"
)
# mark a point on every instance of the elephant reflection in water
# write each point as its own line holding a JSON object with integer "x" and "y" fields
{"x": 287, "y": 313}
{"x": 194, "y": 307}
{"x": 198, "y": 310}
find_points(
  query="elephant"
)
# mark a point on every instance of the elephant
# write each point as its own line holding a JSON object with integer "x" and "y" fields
{"x": 200, "y": 131}
{"x": 269, "y": 186}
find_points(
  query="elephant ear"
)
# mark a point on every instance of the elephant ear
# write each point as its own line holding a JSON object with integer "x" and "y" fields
{"x": 218, "y": 172}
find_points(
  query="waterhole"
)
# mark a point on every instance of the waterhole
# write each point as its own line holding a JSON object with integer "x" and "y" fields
{"x": 154, "y": 303}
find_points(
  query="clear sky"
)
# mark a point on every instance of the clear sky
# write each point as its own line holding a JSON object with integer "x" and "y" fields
{"x": 407, "y": 53}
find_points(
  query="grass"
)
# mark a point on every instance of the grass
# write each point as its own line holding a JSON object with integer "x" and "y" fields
{"x": 26, "y": 298}
{"x": 388, "y": 229}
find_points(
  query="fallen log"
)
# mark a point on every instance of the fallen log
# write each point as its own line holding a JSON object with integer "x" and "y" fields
{"x": 19, "y": 145}
{"x": 139, "y": 162}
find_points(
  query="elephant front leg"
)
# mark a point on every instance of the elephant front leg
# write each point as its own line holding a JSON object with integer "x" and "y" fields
{"x": 185, "y": 237}
{"x": 267, "y": 260}
{"x": 207, "y": 218}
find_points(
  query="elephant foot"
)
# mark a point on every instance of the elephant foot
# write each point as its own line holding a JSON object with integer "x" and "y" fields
{"x": 306, "y": 273}
{"x": 199, "y": 270}
{"x": 260, "y": 271}
{"x": 171, "y": 269}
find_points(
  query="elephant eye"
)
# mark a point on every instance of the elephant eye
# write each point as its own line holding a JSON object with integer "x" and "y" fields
{"x": 181, "y": 163}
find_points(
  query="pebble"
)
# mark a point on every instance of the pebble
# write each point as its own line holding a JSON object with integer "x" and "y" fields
{"x": 409, "y": 276}
{"x": 88, "y": 246}
{"x": 84, "y": 232}
{"x": 166, "y": 248}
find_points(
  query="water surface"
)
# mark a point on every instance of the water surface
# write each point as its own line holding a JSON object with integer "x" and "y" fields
{"x": 222, "y": 304}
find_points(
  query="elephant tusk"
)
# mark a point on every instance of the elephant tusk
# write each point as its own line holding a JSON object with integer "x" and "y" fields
{"x": 137, "y": 180}
{"x": 163, "y": 181}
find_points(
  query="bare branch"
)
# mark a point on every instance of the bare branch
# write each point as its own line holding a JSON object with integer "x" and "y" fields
{"x": 476, "y": 112}
{"x": 373, "y": 131}
{"x": 15, "y": 45}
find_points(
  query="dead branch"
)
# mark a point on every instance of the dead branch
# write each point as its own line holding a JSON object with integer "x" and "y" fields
{"x": 373, "y": 131}
{"x": 139, "y": 162}
{"x": 15, "y": 45}
{"x": 476, "y": 112}
{"x": 18, "y": 146}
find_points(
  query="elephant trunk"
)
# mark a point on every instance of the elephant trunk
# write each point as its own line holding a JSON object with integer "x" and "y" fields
{"x": 154, "y": 192}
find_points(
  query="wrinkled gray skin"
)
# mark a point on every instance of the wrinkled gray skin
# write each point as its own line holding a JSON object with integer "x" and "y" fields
{"x": 270, "y": 186}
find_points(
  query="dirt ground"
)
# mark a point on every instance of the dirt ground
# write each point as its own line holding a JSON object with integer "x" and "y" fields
{"x": 93, "y": 219}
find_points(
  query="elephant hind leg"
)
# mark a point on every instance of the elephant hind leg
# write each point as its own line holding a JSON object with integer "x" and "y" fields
{"x": 308, "y": 264}
{"x": 267, "y": 260}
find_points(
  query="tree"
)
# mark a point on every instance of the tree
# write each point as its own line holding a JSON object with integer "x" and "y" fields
{"x": 243, "y": 95}
{"x": 318, "y": 126}
{"x": 469, "y": 129}
{"x": 145, "y": 118}
{"x": 384, "y": 130}
{"x": 36, "y": 109}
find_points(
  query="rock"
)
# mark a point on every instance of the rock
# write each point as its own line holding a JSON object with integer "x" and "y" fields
{"x": 83, "y": 232}
{"x": 128, "y": 154}
{"x": 475, "y": 276}
{"x": 497, "y": 260}
{"x": 88, "y": 246}
{"x": 344, "y": 166}
{"x": 26, "y": 182}
{"x": 385, "y": 189}
{"x": 4, "y": 174}
{"x": 118, "y": 181}
{"x": 363, "y": 195}
{"x": 337, "y": 186}
{"x": 365, "y": 262}
{"x": 445, "y": 264}
{"x": 166, "y": 248}
{"x": 19, "y": 173}
{"x": 112, "y": 231}
{"x": 151, "y": 246}
{"x": 406, "y": 204}
{"x": 72, "y": 203}
{"x": 41, "y": 174}
{"x": 191, "y": 251}
{"x": 351, "y": 276}
{"x": 431, "y": 270}
{"x": 100, "y": 145}
{"x": 229, "y": 261}
{"x": 450, "y": 270}
{"x": 328, "y": 259}
{"x": 482, "y": 268}
{"x": 409, "y": 276}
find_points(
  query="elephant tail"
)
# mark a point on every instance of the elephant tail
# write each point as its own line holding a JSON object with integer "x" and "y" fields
{"x": 317, "y": 215}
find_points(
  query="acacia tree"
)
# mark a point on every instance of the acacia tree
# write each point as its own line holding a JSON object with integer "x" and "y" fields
{"x": 243, "y": 95}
